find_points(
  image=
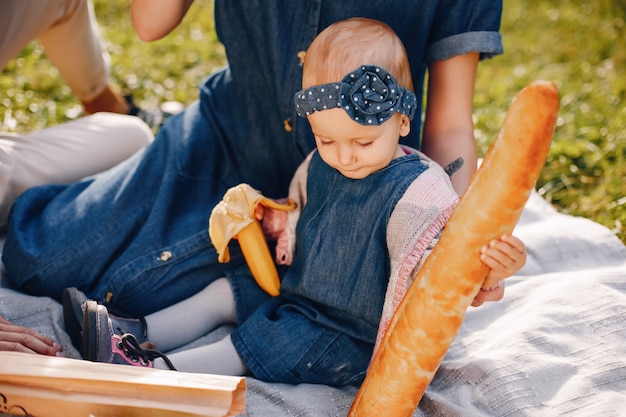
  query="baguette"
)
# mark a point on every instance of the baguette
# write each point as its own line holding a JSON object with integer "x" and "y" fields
{"x": 431, "y": 313}
{"x": 233, "y": 218}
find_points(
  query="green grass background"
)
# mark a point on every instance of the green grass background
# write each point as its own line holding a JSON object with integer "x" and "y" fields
{"x": 578, "y": 44}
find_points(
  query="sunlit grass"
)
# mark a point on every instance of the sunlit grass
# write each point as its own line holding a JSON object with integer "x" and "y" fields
{"x": 578, "y": 44}
{"x": 581, "y": 46}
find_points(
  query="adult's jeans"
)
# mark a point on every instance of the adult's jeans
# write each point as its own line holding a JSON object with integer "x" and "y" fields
{"x": 137, "y": 231}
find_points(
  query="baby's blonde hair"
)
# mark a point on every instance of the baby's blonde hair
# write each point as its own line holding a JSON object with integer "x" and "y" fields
{"x": 348, "y": 44}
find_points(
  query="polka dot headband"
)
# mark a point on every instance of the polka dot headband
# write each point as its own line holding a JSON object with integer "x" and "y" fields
{"x": 369, "y": 95}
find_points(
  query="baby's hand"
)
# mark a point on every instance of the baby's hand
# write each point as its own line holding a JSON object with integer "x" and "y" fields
{"x": 273, "y": 221}
{"x": 504, "y": 257}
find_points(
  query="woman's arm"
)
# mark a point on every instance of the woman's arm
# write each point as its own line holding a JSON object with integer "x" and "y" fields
{"x": 448, "y": 128}
{"x": 153, "y": 19}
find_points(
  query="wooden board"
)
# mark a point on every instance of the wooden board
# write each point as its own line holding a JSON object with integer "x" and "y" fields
{"x": 58, "y": 387}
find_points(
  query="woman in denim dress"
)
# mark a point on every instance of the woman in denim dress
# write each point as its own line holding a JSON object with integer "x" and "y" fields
{"x": 135, "y": 236}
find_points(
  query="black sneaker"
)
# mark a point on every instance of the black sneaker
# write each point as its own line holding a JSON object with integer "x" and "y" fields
{"x": 102, "y": 344}
{"x": 73, "y": 307}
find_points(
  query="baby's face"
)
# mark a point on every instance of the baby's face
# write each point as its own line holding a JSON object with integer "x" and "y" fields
{"x": 354, "y": 150}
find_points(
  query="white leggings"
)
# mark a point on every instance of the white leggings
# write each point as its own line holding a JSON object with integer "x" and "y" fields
{"x": 66, "y": 153}
{"x": 191, "y": 319}
{"x": 69, "y": 34}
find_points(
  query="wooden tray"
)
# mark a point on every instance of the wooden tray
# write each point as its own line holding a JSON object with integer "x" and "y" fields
{"x": 43, "y": 386}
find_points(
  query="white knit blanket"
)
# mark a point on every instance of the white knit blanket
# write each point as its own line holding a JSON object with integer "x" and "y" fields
{"x": 554, "y": 346}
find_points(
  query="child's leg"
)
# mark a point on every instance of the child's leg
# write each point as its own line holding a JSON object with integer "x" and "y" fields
{"x": 219, "y": 358}
{"x": 192, "y": 318}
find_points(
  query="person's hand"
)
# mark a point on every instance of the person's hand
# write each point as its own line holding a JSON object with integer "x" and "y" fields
{"x": 22, "y": 339}
{"x": 273, "y": 221}
{"x": 504, "y": 257}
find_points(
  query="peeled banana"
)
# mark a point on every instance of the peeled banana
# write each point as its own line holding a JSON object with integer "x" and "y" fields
{"x": 234, "y": 217}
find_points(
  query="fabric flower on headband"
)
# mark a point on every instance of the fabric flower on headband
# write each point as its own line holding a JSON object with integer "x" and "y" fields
{"x": 369, "y": 95}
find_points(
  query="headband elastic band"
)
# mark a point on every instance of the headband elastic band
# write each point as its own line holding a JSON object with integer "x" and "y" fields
{"x": 369, "y": 95}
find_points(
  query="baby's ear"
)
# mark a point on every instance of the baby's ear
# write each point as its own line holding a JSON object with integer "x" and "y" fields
{"x": 405, "y": 125}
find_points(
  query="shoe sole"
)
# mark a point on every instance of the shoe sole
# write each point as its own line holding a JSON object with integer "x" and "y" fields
{"x": 73, "y": 317}
{"x": 90, "y": 331}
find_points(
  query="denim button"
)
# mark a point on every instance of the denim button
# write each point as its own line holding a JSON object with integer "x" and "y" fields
{"x": 165, "y": 256}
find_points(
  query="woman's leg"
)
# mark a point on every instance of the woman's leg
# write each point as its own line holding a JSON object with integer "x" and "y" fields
{"x": 135, "y": 235}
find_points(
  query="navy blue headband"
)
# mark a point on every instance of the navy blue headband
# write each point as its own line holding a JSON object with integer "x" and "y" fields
{"x": 369, "y": 94}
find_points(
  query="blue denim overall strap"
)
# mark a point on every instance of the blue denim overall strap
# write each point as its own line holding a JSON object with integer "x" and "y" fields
{"x": 138, "y": 231}
{"x": 341, "y": 266}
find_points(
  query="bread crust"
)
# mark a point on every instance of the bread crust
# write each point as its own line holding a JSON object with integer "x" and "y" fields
{"x": 431, "y": 313}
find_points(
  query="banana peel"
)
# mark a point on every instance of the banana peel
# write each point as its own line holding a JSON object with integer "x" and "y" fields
{"x": 233, "y": 218}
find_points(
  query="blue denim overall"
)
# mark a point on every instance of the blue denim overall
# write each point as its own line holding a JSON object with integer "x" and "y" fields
{"x": 323, "y": 325}
{"x": 139, "y": 230}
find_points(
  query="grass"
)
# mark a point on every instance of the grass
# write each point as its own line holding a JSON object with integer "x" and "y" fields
{"x": 581, "y": 46}
{"x": 578, "y": 44}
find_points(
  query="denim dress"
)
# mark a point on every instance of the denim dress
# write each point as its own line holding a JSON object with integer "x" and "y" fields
{"x": 323, "y": 325}
{"x": 137, "y": 234}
